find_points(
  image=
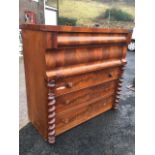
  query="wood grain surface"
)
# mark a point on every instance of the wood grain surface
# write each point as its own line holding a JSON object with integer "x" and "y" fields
{"x": 79, "y": 115}
{"x": 72, "y": 74}
{"x": 75, "y": 56}
{"x": 84, "y": 80}
{"x": 34, "y": 62}
{"x": 85, "y": 96}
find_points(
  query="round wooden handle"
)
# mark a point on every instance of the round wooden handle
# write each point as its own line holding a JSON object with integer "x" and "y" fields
{"x": 67, "y": 101}
{"x": 64, "y": 85}
{"x": 69, "y": 84}
{"x": 110, "y": 75}
{"x": 66, "y": 120}
{"x": 104, "y": 104}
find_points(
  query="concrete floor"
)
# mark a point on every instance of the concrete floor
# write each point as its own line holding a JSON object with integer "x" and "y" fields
{"x": 23, "y": 117}
{"x": 111, "y": 133}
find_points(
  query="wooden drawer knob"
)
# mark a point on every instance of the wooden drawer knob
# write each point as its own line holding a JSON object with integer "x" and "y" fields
{"x": 64, "y": 86}
{"x": 66, "y": 120}
{"x": 69, "y": 84}
{"x": 67, "y": 102}
{"x": 110, "y": 75}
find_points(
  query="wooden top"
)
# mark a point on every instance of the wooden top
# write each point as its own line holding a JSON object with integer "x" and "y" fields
{"x": 71, "y": 29}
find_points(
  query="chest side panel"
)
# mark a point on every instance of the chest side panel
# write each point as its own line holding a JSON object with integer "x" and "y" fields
{"x": 34, "y": 62}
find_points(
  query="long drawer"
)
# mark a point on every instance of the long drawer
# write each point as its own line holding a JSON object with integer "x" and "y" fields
{"x": 62, "y": 40}
{"x": 68, "y": 120}
{"x": 84, "y": 97}
{"x": 74, "y": 56}
{"x": 74, "y": 83}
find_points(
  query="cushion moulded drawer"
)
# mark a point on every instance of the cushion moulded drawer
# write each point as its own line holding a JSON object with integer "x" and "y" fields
{"x": 56, "y": 58}
{"x": 61, "y": 40}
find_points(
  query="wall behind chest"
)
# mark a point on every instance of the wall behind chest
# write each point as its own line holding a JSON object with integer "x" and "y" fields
{"x": 36, "y": 7}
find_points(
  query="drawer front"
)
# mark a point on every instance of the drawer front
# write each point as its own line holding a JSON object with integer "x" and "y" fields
{"x": 79, "y": 115}
{"x": 74, "y": 83}
{"x": 62, "y": 40}
{"x": 84, "y": 97}
{"x": 65, "y": 39}
{"x": 74, "y": 56}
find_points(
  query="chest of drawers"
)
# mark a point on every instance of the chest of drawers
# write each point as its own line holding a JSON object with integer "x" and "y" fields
{"x": 72, "y": 74}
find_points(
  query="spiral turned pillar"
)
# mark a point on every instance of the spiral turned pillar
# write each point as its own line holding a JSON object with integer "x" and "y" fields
{"x": 51, "y": 113}
{"x": 119, "y": 87}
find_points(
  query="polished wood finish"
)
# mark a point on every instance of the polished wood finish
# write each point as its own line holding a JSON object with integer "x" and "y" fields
{"x": 78, "y": 82}
{"x": 35, "y": 74}
{"x": 79, "y": 115}
{"x": 74, "y": 56}
{"x": 68, "y": 102}
{"x": 72, "y": 74}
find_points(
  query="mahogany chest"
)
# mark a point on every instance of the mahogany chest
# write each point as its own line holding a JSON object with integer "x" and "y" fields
{"x": 72, "y": 74}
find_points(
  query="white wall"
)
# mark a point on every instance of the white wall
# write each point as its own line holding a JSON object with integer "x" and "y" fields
{"x": 50, "y": 16}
